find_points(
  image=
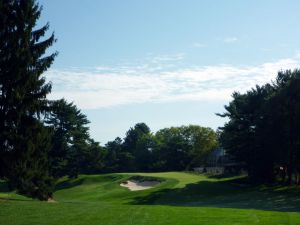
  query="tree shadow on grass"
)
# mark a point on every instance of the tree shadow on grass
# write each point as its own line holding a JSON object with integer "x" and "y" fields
{"x": 226, "y": 194}
{"x": 4, "y": 199}
{"x": 9, "y": 195}
{"x": 68, "y": 184}
{"x": 73, "y": 182}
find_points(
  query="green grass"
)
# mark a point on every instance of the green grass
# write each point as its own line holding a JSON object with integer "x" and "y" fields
{"x": 181, "y": 198}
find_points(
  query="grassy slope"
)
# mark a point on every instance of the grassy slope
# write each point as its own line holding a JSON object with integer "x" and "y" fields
{"x": 181, "y": 199}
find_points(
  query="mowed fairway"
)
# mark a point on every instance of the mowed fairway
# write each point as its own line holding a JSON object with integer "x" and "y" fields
{"x": 181, "y": 198}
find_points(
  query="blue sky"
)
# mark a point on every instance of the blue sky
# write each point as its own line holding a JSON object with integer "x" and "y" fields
{"x": 166, "y": 63}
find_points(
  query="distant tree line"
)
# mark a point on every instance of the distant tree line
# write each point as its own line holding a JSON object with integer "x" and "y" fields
{"x": 264, "y": 129}
{"x": 73, "y": 152}
{"x": 169, "y": 149}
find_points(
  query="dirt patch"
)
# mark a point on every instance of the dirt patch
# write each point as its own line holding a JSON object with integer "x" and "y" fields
{"x": 135, "y": 185}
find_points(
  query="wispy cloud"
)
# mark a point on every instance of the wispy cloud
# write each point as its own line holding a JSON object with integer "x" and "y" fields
{"x": 230, "y": 39}
{"x": 158, "y": 82}
{"x": 168, "y": 57}
{"x": 199, "y": 45}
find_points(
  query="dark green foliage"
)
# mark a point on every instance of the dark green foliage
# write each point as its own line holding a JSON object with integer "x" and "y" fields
{"x": 132, "y": 154}
{"x": 72, "y": 151}
{"x": 242, "y": 136}
{"x": 115, "y": 158}
{"x": 93, "y": 158}
{"x": 144, "y": 154}
{"x": 175, "y": 148}
{"x": 182, "y": 148}
{"x": 23, "y": 140}
{"x": 136, "y": 148}
{"x": 286, "y": 111}
{"x": 60, "y": 120}
{"x": 263, "y": 129}
{"x": 29, "y": 171}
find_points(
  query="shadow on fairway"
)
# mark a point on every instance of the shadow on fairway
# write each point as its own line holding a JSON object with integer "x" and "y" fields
{"x": 4, "y": 199}
{"x": 4, "y": 189}
{"x": 225, "y": 194}
{"x": 69, "y": 184}
{"x": 73, "y": 182}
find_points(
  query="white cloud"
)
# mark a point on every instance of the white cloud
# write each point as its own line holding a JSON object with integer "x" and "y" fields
{"x": 199, "y": 45}
{"x": 107, "y": 86}
{"x": 230, "y": 39}
{"x": 164, "y": 58}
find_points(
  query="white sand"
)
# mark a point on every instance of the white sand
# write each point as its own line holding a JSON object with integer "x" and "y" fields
{"x": 51, "y": 200}
{"x": 134, "y": 185}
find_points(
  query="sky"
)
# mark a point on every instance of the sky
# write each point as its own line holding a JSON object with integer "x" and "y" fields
{"x": 165, "y": 62}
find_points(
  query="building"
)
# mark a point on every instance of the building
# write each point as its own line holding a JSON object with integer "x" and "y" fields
{"x": 218, "y": 162}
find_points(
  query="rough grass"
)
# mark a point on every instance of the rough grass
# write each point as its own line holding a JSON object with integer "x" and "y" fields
{"x": 181, "y": 198}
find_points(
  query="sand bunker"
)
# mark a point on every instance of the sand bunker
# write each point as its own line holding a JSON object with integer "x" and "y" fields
{"x": 51, "y": 200}
{"x": 134, "y": 185}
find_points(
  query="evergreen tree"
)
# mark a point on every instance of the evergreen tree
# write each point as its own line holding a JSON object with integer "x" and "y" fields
{"x": 263, "y": 128}
{"x": 115, "y": 159}
{"x": 23, "y": 91}
{"x": 135, "y": 151}
{"x": 94, "y": 158}
{"x": 245, "y": 136}
{"x": 285, "y": 105}
{"x": 70, "y": 139}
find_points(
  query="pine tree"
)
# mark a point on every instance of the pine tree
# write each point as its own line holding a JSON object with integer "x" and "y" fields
{"x": 71, "y": 139}
{"x": 23, "y": 91}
